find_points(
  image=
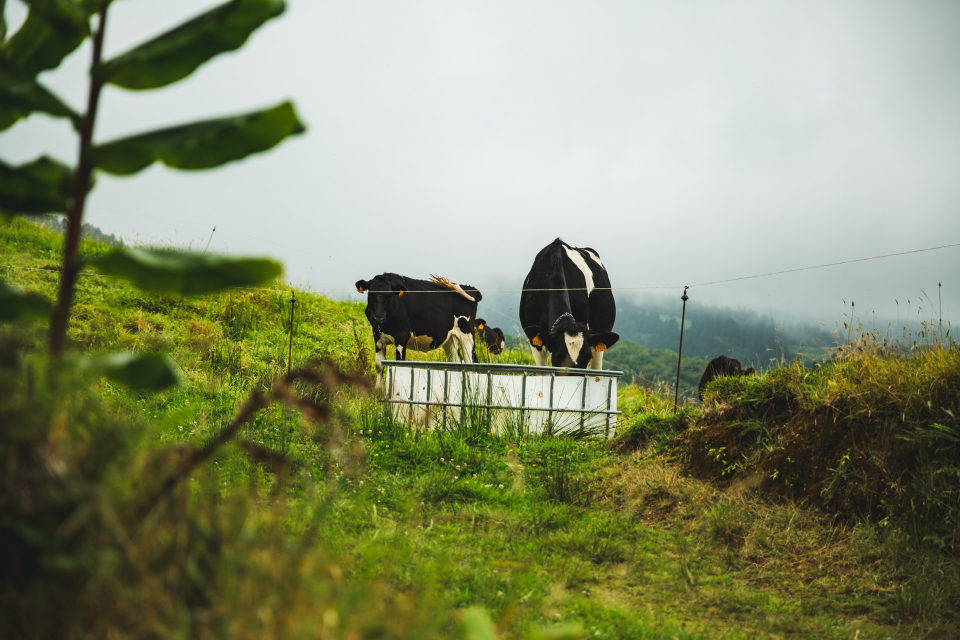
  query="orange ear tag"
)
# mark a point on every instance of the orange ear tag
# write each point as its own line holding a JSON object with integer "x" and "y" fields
{"x": 480, "y": 326}
{"x": 600, "y": 348}
{"x": 537, "y": 342}
{"x": 400, "y": 294}
{"x": 360, "y": 289}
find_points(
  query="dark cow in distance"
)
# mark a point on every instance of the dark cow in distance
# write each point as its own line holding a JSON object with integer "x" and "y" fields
{"x": 722, "y": 366}
{"x": 421, "y": 315}
{"x": 492, "y": 336}
{"x": 567, "y": 308}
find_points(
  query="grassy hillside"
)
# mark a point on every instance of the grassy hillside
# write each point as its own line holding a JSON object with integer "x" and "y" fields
{"x": 336, "y": 521}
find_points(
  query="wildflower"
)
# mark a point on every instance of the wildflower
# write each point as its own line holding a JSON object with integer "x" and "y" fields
{"x": 501, "y": 486}
{"x": 381, "y": 490}
{"x": 441, "y": 459}
{"x": 458, "y": 467}
{"x": 361, "y": 483}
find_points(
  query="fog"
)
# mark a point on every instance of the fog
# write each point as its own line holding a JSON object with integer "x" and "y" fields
{"x": 687, "y": 142}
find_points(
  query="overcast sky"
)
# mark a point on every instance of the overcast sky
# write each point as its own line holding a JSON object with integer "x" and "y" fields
{"x": 685, "y": 141}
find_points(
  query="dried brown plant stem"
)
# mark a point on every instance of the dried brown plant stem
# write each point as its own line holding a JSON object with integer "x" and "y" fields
{"x": 81, "y": 186}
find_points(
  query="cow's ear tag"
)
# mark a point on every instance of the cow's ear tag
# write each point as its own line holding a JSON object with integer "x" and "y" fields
{"x": 537, "y": 342}
{"x": 600, "y": 348}
{"x": 480, "y": 326}
{"x": 400, "y": 293}
{"x": 360, "y": 289}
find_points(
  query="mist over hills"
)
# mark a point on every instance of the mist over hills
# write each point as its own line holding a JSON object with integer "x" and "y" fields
{"x": 709, "y": 331}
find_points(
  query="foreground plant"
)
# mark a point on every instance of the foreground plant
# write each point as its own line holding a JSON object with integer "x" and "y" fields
{"x": 55, "y": 28}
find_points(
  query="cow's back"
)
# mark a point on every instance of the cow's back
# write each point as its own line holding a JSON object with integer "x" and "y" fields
{"x": 720, "y": 366}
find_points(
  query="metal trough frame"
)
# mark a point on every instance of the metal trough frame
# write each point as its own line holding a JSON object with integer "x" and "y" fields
{"x": 392, "y": 368}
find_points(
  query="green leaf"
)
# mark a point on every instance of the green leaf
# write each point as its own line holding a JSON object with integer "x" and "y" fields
{"x": 52, "y": 30}
{"x": 147, "y": 372}
{"x": 22, "y": 95}
{"x": 16, "y": 304}
{"x": 201, "y": 145}
{"x": 41, "y": 186}
{"x": 177, "y": 53}
{"x": 184, "y": 272}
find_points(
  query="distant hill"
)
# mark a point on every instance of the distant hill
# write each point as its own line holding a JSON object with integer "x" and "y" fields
{"x": 87, "y": 232}
{"x": 754, "y": 339}
{"x": 654, "y": 366}
{"x": 711, "y": 331}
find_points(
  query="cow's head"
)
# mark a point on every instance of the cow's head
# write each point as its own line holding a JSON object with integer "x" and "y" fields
{"x": 492, "y": 336}
{"x": 383, "y": 296}
{"x": 501, "y": 341}
{"x": 570, "y": 343}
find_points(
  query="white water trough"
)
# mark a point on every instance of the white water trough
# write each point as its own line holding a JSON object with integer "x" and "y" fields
{"x": 522, "y": 398}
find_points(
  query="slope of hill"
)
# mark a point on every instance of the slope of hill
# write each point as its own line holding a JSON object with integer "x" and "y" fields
{"x": 342, "y": 522}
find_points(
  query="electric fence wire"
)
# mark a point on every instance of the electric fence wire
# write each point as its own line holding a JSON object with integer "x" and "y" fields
{"x": 635, "y": 288}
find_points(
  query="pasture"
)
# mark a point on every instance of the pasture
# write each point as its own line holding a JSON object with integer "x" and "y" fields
{"x": 699, "y": 525}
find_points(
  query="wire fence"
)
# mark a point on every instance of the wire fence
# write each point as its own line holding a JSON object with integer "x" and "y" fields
{"x": 631, "y": 288}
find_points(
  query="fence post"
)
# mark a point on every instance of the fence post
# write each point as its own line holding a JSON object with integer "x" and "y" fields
{"x": 210, "y": 240}
{"x": 683, "y": 316}
{"x": 293, "y": 302}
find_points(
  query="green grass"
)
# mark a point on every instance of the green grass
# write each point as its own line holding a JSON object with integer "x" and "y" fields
{"x": 369, "y": 528}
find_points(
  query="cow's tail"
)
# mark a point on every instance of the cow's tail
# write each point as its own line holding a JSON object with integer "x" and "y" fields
{"x": 444, "y": 282}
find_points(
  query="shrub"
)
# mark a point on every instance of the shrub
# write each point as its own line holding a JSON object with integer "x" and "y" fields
{"x": 873, "y": 435}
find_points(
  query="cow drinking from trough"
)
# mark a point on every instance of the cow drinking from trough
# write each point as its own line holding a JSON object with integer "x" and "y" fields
{"x": 567, "y": 308}
{"x": 492, "y": 336}
{"x": 421, "y": 315}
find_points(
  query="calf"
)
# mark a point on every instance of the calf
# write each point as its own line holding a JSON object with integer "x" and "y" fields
{"x": 567, "y": 308}
{"x": 722, "y": 366}
{"x": 421, "y": 315}
{"x": 493, "y": 336}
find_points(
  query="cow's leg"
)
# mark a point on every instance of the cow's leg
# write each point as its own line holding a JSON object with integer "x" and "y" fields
{"x": 540, "y": 355}
{"x": 401, "y": 345}
{"x": 379, "y": 356}
{"x": 451, "y": 347}
{"x": 596, "y": 360}
{"x": 469, "y": 352}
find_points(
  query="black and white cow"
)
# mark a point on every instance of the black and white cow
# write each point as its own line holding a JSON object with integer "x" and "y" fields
{"x": 567, "y": 308}
{"x": 721, "y": 366}
{"x": 492, "y": 336}
{"x": 421, "y": 315}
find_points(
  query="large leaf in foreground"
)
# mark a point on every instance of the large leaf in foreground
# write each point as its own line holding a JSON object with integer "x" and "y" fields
{"x": 184, "y": 272}
{"x": 41, "y": 186}
{"x": 147, "y": 372}
{"x": 21, "y": 95}
{"x": 16, "y": 304}
{"x": 201, "y": 145}
{"x": 177, "y": 53}
{"x": 52, "y": 30}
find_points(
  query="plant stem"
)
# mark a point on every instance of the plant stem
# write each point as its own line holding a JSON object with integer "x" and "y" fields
{"x": 70, "y": 266}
